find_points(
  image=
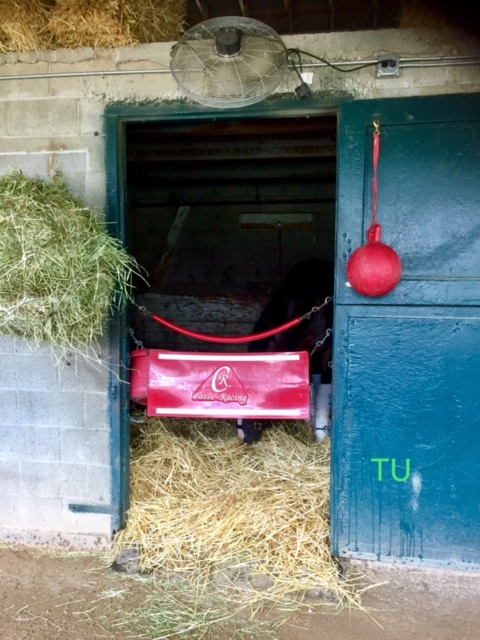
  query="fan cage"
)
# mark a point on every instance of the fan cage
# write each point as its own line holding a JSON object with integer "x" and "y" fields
{"x": 229, "y": 81}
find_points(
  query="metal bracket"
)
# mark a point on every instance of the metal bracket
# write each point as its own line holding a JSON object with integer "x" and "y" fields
{"x": 91, "y": 508}
{"x": 388, "y": 65}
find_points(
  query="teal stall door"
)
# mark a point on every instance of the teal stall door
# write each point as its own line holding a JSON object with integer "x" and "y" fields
{"x": 406, "y": 407}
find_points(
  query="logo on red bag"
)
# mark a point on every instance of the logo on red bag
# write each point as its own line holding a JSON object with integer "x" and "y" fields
{"x": 222, "y": 385}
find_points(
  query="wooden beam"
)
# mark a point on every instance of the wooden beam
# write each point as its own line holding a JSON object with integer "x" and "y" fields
{"x": 376, "y": 13}
{"x": 332, "y": 15}
{"x": 244, "y": 8}
{"x": 289, "y": 10}
{"x": 203, "y": 8}
{"x": 163, "y": 263}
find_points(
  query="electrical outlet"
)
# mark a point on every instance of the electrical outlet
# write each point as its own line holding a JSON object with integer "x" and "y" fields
{"x": 388, "y": 65}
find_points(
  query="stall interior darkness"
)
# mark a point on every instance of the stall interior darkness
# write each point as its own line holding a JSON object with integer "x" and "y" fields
{"x": 218, "y": 210}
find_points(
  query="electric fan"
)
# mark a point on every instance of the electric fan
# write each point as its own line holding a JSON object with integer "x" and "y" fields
{"x": 229, "y": 62}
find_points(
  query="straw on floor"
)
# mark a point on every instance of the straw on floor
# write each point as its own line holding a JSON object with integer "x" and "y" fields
{"x": 254, "y": 521}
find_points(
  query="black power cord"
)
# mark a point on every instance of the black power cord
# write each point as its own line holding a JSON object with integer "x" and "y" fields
{"x": 303, "y": 90}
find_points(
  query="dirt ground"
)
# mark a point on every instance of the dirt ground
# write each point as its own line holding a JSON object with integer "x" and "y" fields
{"x": 51, "y": 596}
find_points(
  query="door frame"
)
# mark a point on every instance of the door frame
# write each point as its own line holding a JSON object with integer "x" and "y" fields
{"x": 117, "y": 117}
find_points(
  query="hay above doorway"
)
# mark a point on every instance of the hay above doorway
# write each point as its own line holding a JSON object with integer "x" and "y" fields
{"x": 115, "y": 23}
{"x": 35, "y": 25}
{"x": 254, "y": 521}
{"x": 24, "y": 25}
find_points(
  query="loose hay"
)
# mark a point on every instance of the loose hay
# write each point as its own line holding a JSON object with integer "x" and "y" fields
{"x": 61, "y": 273}
{"x": 253, "y": 521}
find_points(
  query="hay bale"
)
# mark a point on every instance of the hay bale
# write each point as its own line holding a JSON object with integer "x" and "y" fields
{"x": 155, "y": 20}
{"x": 254, "y": 521}
{"x": 115, "y": 23}
{"x": 88, "y": 23}
{"x": 61, "y": 273}
{"x": 24, "y": 25}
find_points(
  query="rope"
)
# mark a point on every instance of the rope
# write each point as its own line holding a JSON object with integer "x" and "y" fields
{"x": 233, "y": 339}
{"x": 373, "y": 233}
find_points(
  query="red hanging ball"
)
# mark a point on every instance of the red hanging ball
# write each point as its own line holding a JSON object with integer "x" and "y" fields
{"x": 374, "y": 269}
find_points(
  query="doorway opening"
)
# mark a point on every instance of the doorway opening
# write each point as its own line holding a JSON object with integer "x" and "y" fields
{"x": 218, "y": 211}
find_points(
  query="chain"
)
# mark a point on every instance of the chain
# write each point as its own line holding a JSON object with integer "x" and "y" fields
{"x": 308, "y": 315}
{"x": 138, "y": 343}
{"x": 328, "y": 333}
{"x": 144, "y": 310}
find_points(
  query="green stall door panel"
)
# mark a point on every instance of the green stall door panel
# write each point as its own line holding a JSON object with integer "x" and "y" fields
{"x": 428, "y": 194}
{"x": 406, "y": 402}
{"x": 406, "y": 465}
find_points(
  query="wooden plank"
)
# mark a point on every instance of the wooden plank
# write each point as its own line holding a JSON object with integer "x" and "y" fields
{"x": 292, "y": 221}
{"x": 244, "y": 8}
{"x": 170, "y": 244}
{"x": 203, "y": 8}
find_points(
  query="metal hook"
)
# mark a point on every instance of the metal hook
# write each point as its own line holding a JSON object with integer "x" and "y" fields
{"x": 376, "y": 124}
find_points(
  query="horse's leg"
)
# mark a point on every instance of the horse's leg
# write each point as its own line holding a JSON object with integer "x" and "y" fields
{"x": 247, "y": 431}
{"x": 323, "y": 398}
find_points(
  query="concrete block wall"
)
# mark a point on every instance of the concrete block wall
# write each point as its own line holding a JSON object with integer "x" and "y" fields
{"x": 54, "y": 447}
{"x": 54, "y": 423}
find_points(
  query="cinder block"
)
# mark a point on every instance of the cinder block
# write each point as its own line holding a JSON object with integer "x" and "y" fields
{"x": 8, "y": 375}
{"x": 53, "y": 480}
{"x": 22, "y": 88}
{"x": 3, "y": 119}
{"x": 31, "y": 163}
{"x": 96, "y": 411}
{"x": 87, "y": 446}
{"x": 35, "y": 372}
{"x": 11, "y": 515}
{"x": 42, "y": 445}
{"x": 157, "y": 53}
{"x": 22, "y": 345}
{"x": 12, "y": 443}
{"x": 99, "y": 484}
{"x": 72, "y": 87}
{"x": 96, "y": 523}
{"x": 137, "y": 87}
{"x": 95, "y": 195}
{"x": 41, "y": 513}
{"x": 91, "y": 116}
{"x": 72, "y": 164}
{"x": 68, "y": 57}
{"x": 9, "y": 477}
{"x": 54, "y": 116}
{"x": 83, "y": 376}
{"x": 48, "y": 409}
{"x": 7, "y": 344}
{"x": 8, "y": 403}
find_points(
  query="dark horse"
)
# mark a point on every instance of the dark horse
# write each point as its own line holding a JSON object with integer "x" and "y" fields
{"x": 305, "y": 286}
